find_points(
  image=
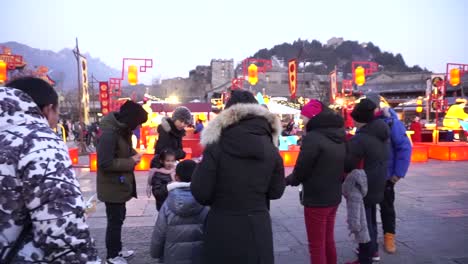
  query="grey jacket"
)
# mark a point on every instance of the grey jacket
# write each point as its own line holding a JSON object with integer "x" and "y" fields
{"x": 354, "y": 190}
{"x": 177, "y": 235}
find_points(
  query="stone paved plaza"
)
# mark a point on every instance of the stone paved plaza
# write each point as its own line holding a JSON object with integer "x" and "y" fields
{"x": 432, "y": 224}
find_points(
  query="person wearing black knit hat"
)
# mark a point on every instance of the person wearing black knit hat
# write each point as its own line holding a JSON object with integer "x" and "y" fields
{"x": 40, "y": 193}
{"x": 363, "y": 112}
{"x": 42, "y": 93}
{"x": 370, "y": 145}
{"x": 116, "y": 160}
{"x": 398, "y": 164}
{"x": 240, "y": 97}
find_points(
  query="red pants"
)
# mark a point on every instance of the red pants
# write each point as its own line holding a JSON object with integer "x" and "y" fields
{"x": 320, "y": 226}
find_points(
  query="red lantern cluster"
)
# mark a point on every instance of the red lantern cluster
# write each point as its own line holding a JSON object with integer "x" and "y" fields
{"x": 104, "y": 97}
{"x": 292, "y": 74}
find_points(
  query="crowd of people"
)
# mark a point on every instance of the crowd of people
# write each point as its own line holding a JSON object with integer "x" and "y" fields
{"x": 214, "y": 211}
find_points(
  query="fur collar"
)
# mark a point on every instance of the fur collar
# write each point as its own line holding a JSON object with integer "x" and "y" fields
{"x": 165, "y": 124}
{"x": 234, "y": 114}
{"x": 176, "y": 185}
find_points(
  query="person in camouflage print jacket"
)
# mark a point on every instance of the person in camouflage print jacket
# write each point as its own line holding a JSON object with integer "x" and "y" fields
{"x": 38, "y": 187}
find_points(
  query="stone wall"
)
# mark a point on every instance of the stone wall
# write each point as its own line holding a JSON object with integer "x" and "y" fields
{"x": 222, "y": 71}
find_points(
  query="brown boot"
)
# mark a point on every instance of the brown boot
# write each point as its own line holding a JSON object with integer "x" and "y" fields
{"x": 389, "y": 243}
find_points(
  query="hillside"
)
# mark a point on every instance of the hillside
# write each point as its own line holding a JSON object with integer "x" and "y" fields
{"x": 322, "y": 58}
{"x": 62, "y": 64}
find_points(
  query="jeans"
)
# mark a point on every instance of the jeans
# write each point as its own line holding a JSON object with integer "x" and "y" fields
{"x": 367, "y": 250}
{"x": 320, "y": 226}
{"x": 387, "y": 209}
{"x": 115, "y": 217}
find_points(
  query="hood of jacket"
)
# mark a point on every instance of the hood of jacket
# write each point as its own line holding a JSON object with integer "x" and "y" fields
{"x": 235, "y": 115}
{"x": 355, "y": 182}
{"x": 242, "y": 129}
{"x": 387, "y": 112}
{"x": 18, "y": 108}
{"x": 377, "y": 128}
{"x": 181, "y": 201}
{"x": 111, "y": 122}
{"x": 168, "y": 126}
{"x": 329, "y": 124}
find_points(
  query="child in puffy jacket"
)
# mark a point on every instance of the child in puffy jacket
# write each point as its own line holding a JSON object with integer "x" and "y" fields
{"x": 177, "y": 235}
{"x": 159, "y": 178}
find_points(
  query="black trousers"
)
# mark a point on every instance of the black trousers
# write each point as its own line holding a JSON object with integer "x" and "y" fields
{"x": 387, "y": 209}
{"x": 367, "y": 250}
{"x": 115, "y": 217}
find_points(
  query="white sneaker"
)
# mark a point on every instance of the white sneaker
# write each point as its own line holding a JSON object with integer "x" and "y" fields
{"x": 117, "y": 260}
{"x": 126, "y": 253}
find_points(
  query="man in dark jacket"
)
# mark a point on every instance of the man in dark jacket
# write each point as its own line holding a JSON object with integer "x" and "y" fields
{"x": 115, "y": 176}
{"x": 241, "y": 168}
{"x": 370, "y": 145}
{"x": 322, "y": 145}
{"x": 171, "y": 131}
{"x": 177, "y": 235}
{"x": 398, "y": 164}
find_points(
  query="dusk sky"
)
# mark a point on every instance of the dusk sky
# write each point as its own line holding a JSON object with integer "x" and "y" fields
{"x": 179, "y": 35}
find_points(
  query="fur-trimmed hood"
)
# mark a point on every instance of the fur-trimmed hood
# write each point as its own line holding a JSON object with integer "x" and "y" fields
{"x": 165, "y": 124}
{"x": 235, "y": 114}
{"x": 168, "y": 126}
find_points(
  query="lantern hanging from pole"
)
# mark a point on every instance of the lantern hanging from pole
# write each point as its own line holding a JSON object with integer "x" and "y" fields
{"x": 132, "y": 75}
{"x": 454, "y": 76}
{"x": 359, "y": 76}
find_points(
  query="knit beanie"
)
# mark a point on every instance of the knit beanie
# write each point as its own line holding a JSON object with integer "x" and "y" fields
{"x": 132, "y": 114}
{"x": 185, "y": 169}
{"x": 374, "y": 97}
{"x": 40, "y": 91}
{"x": 240, "y": 97}
{"x": 363, "y": 112}
{"x": 182, "y": 114}
{"x": 312, "y": 108}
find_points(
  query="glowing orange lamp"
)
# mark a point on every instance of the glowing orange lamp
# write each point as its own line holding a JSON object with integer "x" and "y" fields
{"x": 253, "y": 74}
{"x": 132, "y": 75}
{"x": 454, "y": 76}
{"x": 419, "y": 107}
{"x": 3, "y": 72}
{"x": 359, "y": 76}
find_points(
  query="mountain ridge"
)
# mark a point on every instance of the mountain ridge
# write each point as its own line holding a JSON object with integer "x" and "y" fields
{"x": 322, "y": 58}
{"x": 61, "y": 64}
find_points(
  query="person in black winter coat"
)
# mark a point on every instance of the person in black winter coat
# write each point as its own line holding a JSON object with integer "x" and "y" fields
{"x": 241, "y": 167}
{"x": 370, "y": 145}
{"x": 177, "y": 235}
{"x": 171, "y": 131}
{"x": 323, "y": 144}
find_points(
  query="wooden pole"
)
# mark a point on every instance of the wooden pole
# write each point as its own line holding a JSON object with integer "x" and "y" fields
{"x": 82, "y": 146}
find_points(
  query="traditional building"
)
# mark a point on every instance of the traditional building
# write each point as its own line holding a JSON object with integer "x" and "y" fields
{"x": 400, "y": 87}
{"x": 222, "y": 72}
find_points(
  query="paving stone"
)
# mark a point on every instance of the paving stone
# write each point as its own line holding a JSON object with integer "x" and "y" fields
{"x": 432, "y": 220}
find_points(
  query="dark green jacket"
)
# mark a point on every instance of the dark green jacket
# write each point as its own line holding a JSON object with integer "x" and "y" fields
{"x": 115, "y": 176}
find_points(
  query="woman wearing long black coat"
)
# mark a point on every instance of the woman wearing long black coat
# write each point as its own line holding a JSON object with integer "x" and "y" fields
{"x": 241, "y": 168}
